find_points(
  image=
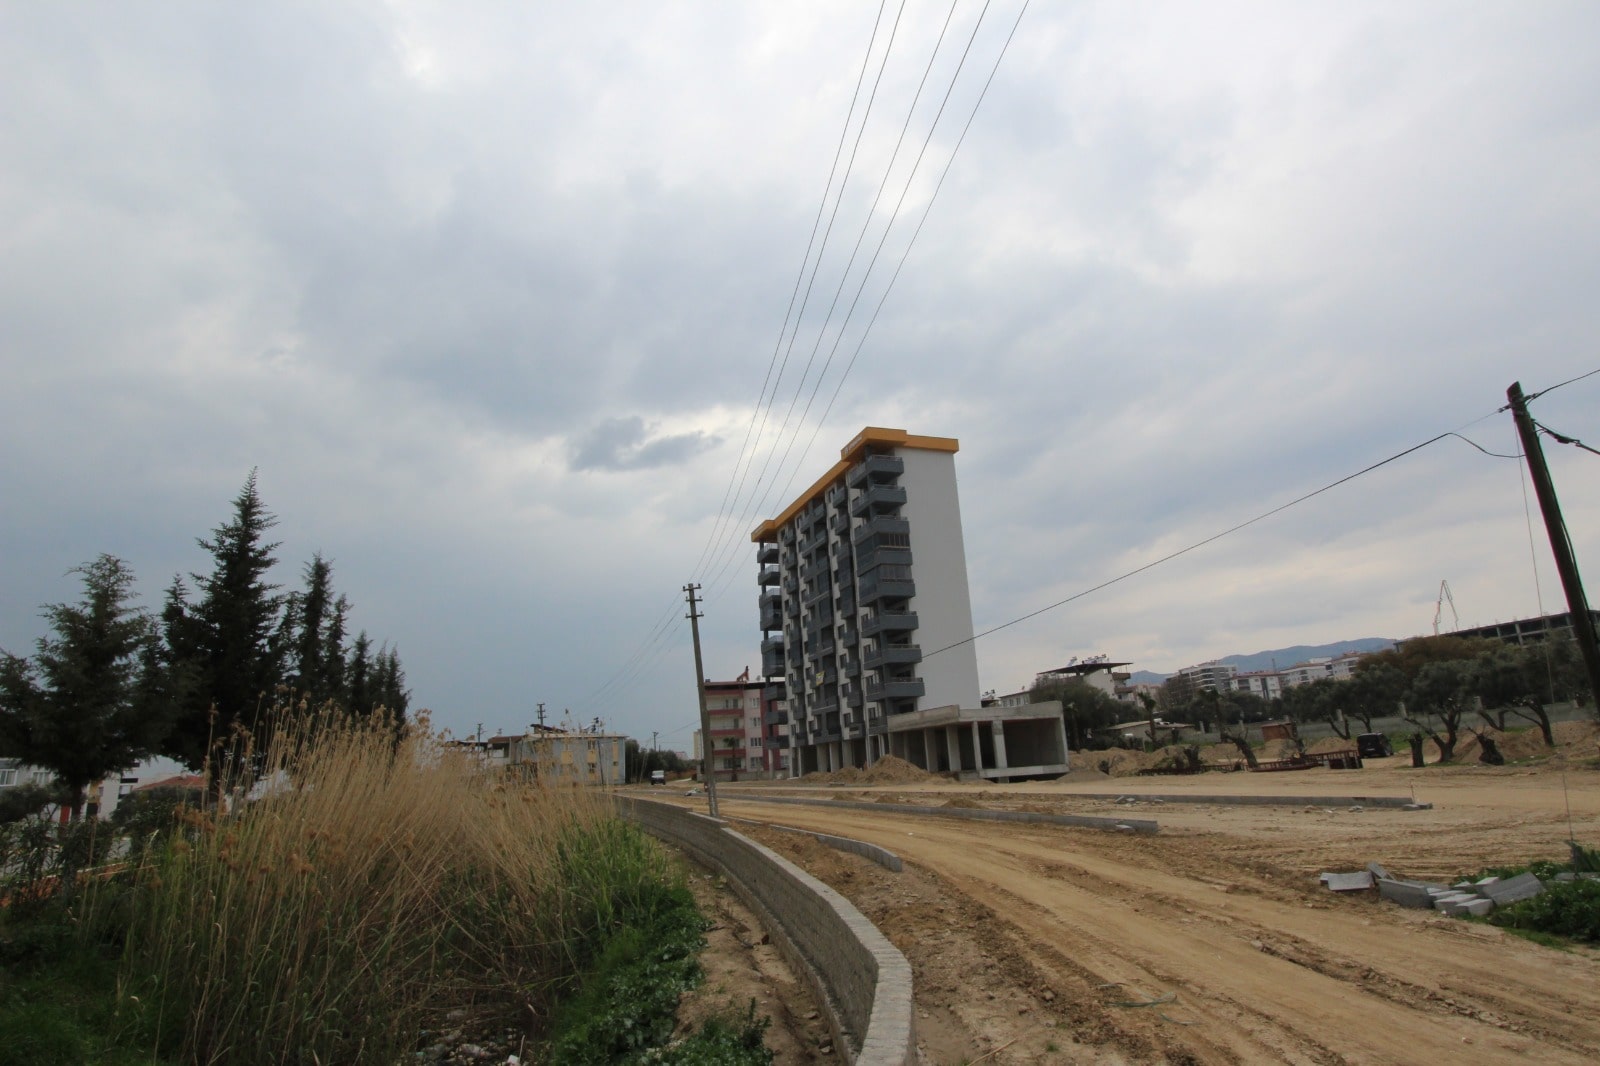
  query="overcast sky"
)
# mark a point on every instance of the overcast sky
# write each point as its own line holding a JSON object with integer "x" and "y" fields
{"x": 487, "y": 294}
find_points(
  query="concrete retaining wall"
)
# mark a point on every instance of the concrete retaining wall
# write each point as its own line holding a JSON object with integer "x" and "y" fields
{"x": 861, "y": 980}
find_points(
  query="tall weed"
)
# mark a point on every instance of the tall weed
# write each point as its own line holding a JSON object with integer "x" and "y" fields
{"x": 353, "y": 884}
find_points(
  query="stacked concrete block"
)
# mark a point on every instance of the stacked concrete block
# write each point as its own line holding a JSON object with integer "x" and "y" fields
{"x": 1476, "y": 898}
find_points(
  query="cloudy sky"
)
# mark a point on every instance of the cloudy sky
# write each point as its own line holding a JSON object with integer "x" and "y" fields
{"x": 490, "y": 295}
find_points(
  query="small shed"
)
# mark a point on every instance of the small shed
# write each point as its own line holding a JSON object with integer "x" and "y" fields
{"x": 1283, "y": 729}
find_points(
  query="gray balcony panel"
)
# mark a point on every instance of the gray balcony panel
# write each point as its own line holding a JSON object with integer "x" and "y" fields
{"x": 878, "y": 497}
{"x": 893, "y": 655}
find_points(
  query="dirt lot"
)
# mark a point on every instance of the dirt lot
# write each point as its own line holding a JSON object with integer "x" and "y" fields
{"x": 1212, "y": 941}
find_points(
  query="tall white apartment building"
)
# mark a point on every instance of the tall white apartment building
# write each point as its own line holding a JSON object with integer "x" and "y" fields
{"x": 861, "y": 577}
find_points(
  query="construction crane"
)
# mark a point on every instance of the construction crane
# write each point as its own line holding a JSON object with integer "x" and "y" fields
{"x": 1438, "y": 610}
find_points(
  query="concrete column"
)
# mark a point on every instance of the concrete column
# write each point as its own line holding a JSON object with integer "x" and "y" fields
{"x": 977, "y": 750}
{"x": 929, "y": 762}
{"x": 952, "y": 746}
{"x": 998, "y": 730}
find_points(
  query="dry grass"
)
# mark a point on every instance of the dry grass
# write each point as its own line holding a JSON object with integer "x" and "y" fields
{"x": 371, "y": 885}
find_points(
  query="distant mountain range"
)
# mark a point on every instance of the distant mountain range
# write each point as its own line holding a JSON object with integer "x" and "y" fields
{"x": 1280, "y": 658}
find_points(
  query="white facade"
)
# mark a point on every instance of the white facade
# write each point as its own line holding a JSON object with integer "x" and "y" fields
{"x": 107, "y": 793}
{"x": 1263, "y": 683}
{"x": 1211, "y": 675}
{"x": 861, "y": 575}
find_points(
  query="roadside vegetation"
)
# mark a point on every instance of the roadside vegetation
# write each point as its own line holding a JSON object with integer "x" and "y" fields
{"x": 1435, "y": 692}
{"x": 1566, "y": 912}
{"x": 337, "y": 895}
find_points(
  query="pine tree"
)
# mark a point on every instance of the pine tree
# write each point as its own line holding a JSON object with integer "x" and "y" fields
{"x": 333, "y": 651}
{"x": 315, "y": 644}
{"x": 389, "y": 688}
{"x": 232, "y": 640}
{"x": 93, "y": 700}
{"x": 359, "y": 676}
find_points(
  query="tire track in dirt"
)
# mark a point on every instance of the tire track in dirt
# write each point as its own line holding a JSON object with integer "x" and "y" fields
{"x": 1265, "y": 969}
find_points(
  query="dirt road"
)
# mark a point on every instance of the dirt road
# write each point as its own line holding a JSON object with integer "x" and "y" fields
{"x": 1212, "y": 941}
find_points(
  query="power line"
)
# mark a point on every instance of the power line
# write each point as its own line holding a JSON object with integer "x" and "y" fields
{"x": 718, "y": 541}
{"x": 1553, "y": 388}
{"x": 822, "y": 205}
{"x": 906, "y": 254}
{"x": 733, "y": 531}
{"x": 966, "y": 127}
{"x": 650, "y": 648}
{"x": 1199, "y": 544}
{"x": 754, "y": 504}
{"x": 1563, "y": 438}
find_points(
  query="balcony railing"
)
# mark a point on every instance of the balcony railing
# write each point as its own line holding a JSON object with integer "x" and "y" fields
{"x": 895, "y": 688}
{"x": 767, "y": 553}
{"x": 878, "y": 498}
{"x": 893, "y": 655}
{"x": 878, "y": 525}
{"x": 868, "y": 560}
{"x": 873, "y": 589}
{"x": 889, "y": 622}
{"x": 876, "y": 468}
{"x": 768, "y": 576}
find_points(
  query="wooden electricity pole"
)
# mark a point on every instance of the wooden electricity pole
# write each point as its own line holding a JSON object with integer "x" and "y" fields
{"x": 1560, "y": 544}
{"x": 705, "y": 717}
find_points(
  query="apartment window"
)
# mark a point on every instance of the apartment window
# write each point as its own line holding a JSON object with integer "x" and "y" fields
{"x": 755, "y": 742}
{"x": 8, "y": 777}
{"x": 41, "y": 777}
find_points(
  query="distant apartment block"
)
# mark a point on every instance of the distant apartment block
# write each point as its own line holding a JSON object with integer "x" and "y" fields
{"x": 1212, "y": 675}
{"x": 867, "y": 624}
{"x": 1263, "y": 683}
{"x": 743, "y": 742}
{"x": 555, "y": 755}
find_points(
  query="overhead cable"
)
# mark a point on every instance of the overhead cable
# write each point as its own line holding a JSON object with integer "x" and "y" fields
{"x": 1199, "y": 544}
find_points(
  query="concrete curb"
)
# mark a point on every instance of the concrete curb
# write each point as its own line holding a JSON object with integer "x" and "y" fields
{"x": 882, "y": 856}
{"x": 861, "y": 981}
{"x": 1085, "y": 821}
{"x": 1262, "y": 801}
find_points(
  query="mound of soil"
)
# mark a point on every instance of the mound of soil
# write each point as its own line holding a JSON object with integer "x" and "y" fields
{"x": 893, "y": 770}
{"x": 1572, "y": 739}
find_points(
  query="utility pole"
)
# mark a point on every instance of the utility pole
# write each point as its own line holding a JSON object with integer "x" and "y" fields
{"x": 541, "y": 718}
{"x": 1560, "y": 545}
{"x": 705, "y": 717}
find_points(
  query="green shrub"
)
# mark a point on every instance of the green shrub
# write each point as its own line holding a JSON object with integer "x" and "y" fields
{"x": 732, "y": 1041}
{"x": 627, "y": 1003}
{"x": 41, "y": 1034}
{"x": 1569, "y": 909}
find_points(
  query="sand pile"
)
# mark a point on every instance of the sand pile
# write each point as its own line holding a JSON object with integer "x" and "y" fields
{"x": 1272, "y": 750}
{"x": 892, "y": 770}
{"x": 1572, "y": 738}
{"x": 1327, "y": 744}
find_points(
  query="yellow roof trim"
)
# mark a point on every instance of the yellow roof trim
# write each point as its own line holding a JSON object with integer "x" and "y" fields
{"x": 849, "y": 455}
